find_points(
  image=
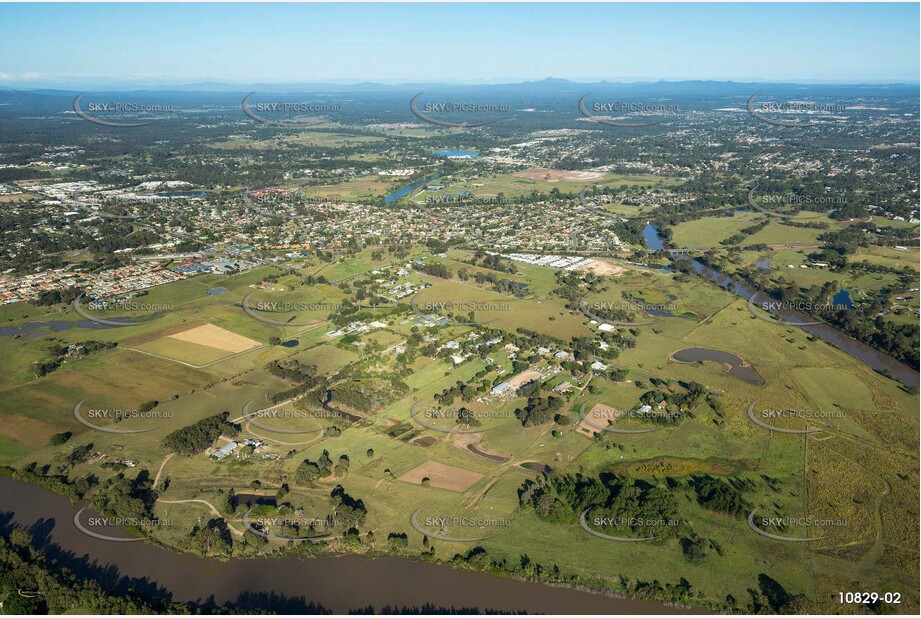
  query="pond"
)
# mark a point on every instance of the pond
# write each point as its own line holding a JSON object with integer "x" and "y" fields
{"x": 253, "y": 499}
{"x": 491, "y": 456}
{"x": 843, "y": 299}
{"x": 738, "y": 368}
{"x": 456, "y": 154}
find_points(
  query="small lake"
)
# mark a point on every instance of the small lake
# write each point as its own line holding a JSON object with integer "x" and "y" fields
{"x": 404, "y": 191}
{"x": 253, "y": 499}
{"x": 216, "y": 291}
{"x": 843, "y": 299}
{"x": 456, "y": 154}
{"x": 491, "y": 456}
{"x": 737, "y": 367}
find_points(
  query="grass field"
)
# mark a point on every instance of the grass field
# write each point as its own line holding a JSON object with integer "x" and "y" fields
{"x": 365, "y": 187}
{"x": 325, "y": 135}
{"x": 862, "y": 468}
{"x": 516, "y": 185}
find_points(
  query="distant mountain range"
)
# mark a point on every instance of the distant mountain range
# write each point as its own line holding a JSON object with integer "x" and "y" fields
{"x": 548, "y": 86}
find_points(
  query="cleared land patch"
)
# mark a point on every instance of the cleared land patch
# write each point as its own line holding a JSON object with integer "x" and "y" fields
{"x": 154, "y": 335}
{"x": 603, "y": 268}
{"x": 524, "y": 378}
{"x": 31, "y": 432}
{"x": 441, "y": 475}
{"x": 548, "y": 175}
{"x": 596, "y": 419}
{"x": 216, "y": 337}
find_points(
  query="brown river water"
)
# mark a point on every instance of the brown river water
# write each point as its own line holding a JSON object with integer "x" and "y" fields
{"x": 287, "y": 585}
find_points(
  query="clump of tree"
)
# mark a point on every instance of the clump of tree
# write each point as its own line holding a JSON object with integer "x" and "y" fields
{"x": 198, "y": 436}
{"x": 696, "y": 548}
{"x": 212, "y": 538}
{"x": 47, "y": 298}
{"x": 435, "y": 270}
{"x": 491, "y": 261}
{"x": 308, "y": 472}
{"x": 60, "y": 352}
{"x": 347, "y": 509}
{"x": 26, "y": 565}
{"x": 503, "y": 286}
{"x": 77, "y": 454}
{"x": 367, "y": 395}
{"x": 305, "y": 377}
{"x": 718, "y": 495}
{"x": 74, "y": 488}
{"x": 60, "y": 438}
{"x": 465, "y": 390}
{"x": 644, "y": 510}
{"x": 398, "y": 540}
{"x": 539, "y": 410}
{"x": 467, "y": 418}
{"x": 147, "y": 406}
{"x": 129, "y": 499}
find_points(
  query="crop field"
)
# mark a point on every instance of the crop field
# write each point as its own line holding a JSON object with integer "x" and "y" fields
{"x": 214, "y": 337}
{"x": 441, "y": 475}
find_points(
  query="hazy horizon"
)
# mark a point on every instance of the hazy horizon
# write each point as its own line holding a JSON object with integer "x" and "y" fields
{"x": 220, "y": 85}
{"x": 79, "y": 45}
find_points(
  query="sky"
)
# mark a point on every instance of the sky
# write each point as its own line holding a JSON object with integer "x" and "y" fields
{"x": 43, "y": 45}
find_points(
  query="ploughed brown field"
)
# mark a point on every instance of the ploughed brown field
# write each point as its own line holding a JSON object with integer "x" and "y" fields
{"x": 441, "y": 475}
{"x": 216, "y": 337}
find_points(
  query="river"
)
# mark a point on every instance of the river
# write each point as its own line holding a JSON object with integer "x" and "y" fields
{"x": 406, "y": 190}
{"x": 38, "y": 329}
{"x": 289, "y": 585}
{"x": 875, "y": 359}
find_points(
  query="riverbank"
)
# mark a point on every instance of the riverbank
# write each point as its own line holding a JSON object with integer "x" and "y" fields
{"x": 338, "y": 583}
{"x": 879, "y": 361}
